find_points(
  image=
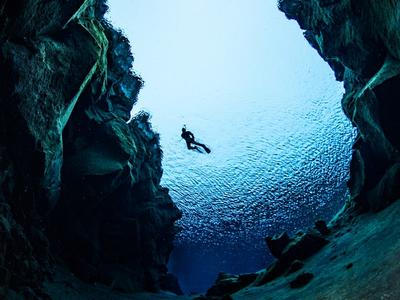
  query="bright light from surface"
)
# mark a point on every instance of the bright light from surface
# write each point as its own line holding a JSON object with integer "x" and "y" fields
{"x": 245, "y": 81}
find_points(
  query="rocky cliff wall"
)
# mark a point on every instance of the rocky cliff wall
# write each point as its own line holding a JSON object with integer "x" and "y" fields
{"x": 361, "y": 42}
{"x": 77, "y": 183}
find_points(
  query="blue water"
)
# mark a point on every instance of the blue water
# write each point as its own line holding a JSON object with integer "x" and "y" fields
{"x": 246, "y": 83}
{"x": 275, "y": 166}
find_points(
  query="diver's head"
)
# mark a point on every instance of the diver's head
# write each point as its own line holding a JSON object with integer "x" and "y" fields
{"x": 183, "y": 129}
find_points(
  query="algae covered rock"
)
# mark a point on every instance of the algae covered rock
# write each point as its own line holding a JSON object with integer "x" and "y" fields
{"x": 78, "y": 182}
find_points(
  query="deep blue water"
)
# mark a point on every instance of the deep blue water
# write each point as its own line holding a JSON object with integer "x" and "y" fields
{"x": 275, "y": 166}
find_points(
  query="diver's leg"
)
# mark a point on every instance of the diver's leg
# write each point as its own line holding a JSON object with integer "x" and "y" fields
{"x": 202, "y": 145}
{"x": 189, "y": 146}
{"x": 198, "y": 144}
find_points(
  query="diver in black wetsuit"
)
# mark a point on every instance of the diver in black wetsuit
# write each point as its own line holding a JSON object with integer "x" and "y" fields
{"x": 189, "y": 138}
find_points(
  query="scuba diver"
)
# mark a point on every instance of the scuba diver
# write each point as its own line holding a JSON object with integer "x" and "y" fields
{"x": 189, "y": 138}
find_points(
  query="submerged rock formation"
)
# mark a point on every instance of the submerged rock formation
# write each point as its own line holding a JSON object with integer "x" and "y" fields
{"x": 78, "y": 185}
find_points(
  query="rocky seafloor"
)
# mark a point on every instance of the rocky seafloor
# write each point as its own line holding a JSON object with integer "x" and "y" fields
{"x": 82, "y": 212}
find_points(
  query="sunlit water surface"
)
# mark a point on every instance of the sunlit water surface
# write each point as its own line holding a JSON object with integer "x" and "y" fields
{"x": 246, "y": 84}
{"x": 273, "y": 168}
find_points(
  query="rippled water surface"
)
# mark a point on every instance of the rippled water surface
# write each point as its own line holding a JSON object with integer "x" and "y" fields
{"x": 275, "y": 166}
{"x": 245, "y": 82}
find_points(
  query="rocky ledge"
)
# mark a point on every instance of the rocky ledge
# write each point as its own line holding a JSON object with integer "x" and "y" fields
{"x": 79, "y": 186}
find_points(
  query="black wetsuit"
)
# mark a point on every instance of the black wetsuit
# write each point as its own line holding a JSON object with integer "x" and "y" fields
{"x": 189, "y": 138}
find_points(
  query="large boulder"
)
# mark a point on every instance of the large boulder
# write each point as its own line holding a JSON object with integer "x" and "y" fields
{"x": 289, "y": 259}
{"x": 227, "y": 284}
{"x": 278, "y": 243}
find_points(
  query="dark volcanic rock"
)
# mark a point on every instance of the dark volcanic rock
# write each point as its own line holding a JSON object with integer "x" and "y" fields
{"x": 278, "y": 243}
{"x": 321, "y": 226}
{"x": 349, "y": 266}
{"x": 301, "y": 247}
{"x": 295, "y": 266}
{"x": 301, "y": 280}
{"x": 76, "y": 181}
{"x": 227, "y": 284}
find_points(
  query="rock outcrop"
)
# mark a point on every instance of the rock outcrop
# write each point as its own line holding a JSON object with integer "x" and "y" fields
{"x": 78, "y": 184}
{"x": 227, "y": 284}
{"x": 361, "y": 42}
{"x": 295, "y": 250}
